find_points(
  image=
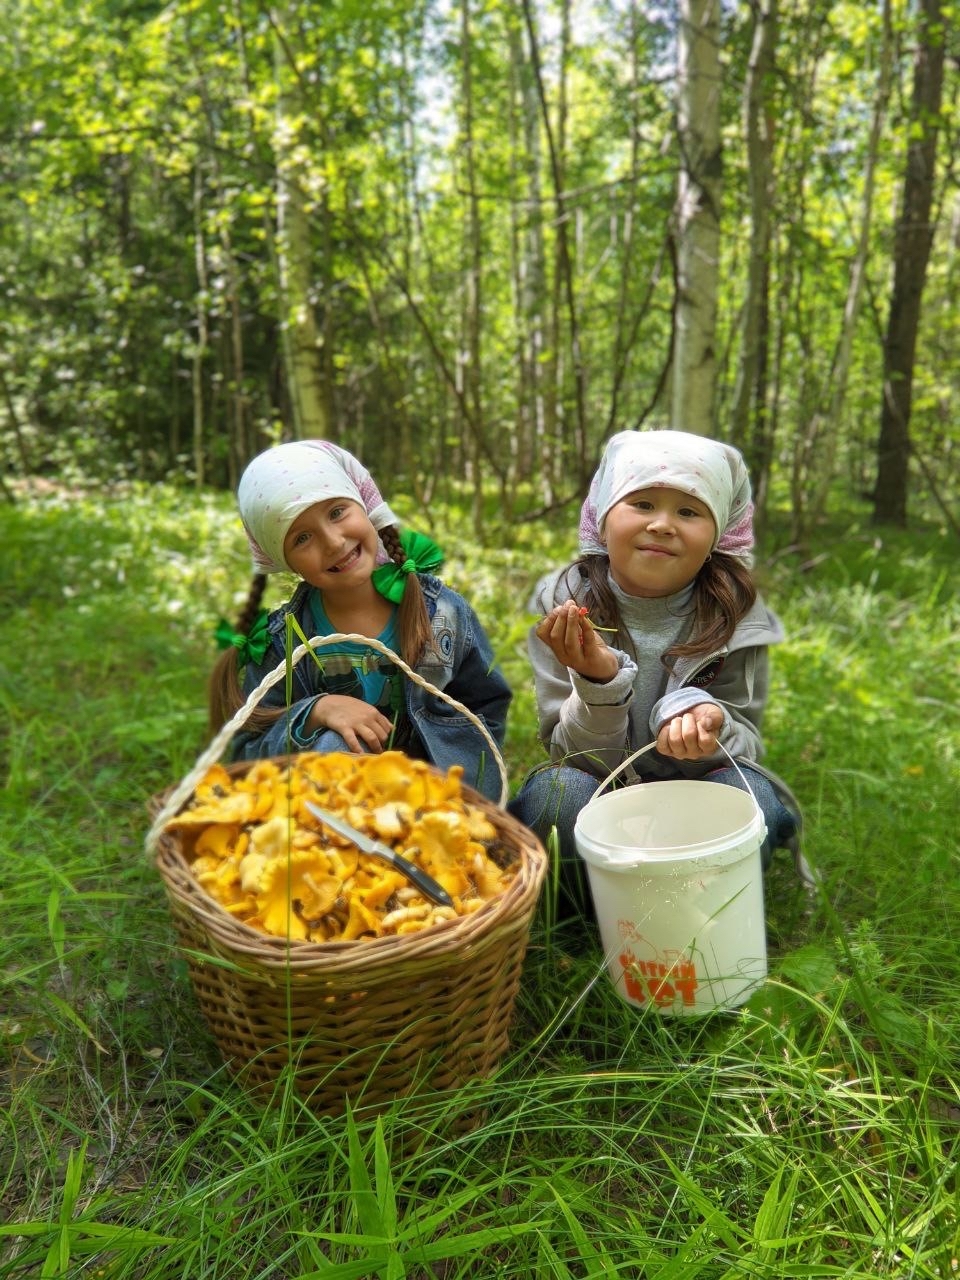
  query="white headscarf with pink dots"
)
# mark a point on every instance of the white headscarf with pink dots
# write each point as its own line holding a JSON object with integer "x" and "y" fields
{"x": 706, "y": 469}
{"x": 283, "y": 482}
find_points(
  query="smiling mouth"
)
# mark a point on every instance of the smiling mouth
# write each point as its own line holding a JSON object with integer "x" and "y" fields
{"x": 657, "y": 551}
{"x": 347, "y": 562}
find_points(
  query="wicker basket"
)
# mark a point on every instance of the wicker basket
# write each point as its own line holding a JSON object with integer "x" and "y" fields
{"x": 368, "y": 1020}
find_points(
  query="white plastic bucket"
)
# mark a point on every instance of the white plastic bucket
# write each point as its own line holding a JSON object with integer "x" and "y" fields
{"x": 677, "y": 886}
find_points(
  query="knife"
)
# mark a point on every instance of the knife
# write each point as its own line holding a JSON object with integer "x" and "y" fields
{"x": 424, "y": 882}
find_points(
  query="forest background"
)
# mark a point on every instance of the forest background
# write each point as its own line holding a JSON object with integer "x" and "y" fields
{"x": 472, "y": 240}
{"x": 469, "y": 241}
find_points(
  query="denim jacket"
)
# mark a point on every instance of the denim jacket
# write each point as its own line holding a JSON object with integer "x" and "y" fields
{"x": 462, "y": 665}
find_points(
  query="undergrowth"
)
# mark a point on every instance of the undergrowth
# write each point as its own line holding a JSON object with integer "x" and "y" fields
{"x": 813, "y": 1132}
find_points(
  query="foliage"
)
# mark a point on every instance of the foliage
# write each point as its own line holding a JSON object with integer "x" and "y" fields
{"x": 813, "y": 1133}
{"x": 145, "y": 318}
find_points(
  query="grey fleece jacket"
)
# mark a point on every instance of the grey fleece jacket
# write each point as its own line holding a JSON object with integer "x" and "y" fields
{"x": 592, "y": 726}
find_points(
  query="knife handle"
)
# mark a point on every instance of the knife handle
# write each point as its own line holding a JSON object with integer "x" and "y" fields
{"x": 424, "y": 882}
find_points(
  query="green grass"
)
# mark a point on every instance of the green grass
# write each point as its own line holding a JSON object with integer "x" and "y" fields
{"x": 815, "y": 1133}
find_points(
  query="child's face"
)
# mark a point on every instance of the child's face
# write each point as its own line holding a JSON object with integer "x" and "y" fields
{"x": 332, "y": 545}
{"x": 657, "y": 541}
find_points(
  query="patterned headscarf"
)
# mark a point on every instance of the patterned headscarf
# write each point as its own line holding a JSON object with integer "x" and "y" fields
{"x": 281, "y": 483}
{"x": 706, "y": 469}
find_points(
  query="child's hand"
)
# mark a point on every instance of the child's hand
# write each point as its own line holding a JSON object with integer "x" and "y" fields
{"x": 693, "y": 735}
{"x": 362, "y": 727}
{"x": 575, "y": 643}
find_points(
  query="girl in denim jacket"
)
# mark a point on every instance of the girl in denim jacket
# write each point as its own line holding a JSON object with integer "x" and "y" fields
{"x": 678, "y": 652}
{"x": 310, "y": 508}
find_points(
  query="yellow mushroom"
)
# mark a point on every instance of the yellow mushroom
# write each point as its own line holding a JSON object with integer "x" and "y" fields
{"x": 268, "y": 862}
{"x": 272, "y": 839}
{"x": 384, "y": 886}
{"x": 442, "y": 842}
{"x": 479, "y": 825}
{"x": 291, "y": 891}
{"x": 215, "y": 782}
{"x": 360, "y": 921}
{"x": 385, "y": 777}
{"x": 404, "y": 915}
{"x": 221, "y": 882}
{"x": 251, "y": 869}
{"x": 488, "y": 877}
{"x": 236, "y": 807}
{"x": 217, "y": 841}
{"x": 392, "y": 821}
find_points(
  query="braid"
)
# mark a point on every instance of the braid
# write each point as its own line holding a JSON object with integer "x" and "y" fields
{"x": 224, "y": 693}
{"x": 416, "y": 633}
{"x": 252, "y": 603}
{"x": 390, "y": 537}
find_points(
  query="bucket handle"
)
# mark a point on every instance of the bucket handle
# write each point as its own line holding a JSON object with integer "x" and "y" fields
{"x": 649, "y": 747}
{"x": 803, "y": 870}
{"x": 212, "y": 753}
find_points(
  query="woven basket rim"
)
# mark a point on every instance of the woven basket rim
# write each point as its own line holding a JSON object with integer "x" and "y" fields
{"x": 293, "y": 955}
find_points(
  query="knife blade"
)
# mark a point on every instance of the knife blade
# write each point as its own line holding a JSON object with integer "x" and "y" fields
{"x": 377, "y": 849}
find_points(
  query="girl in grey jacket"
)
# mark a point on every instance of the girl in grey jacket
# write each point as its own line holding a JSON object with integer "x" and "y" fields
{"x": 310, "y": 508}
{"x": 655, "y": 633}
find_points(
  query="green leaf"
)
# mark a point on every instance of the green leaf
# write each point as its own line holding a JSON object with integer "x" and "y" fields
{"x": 812, "y": 968}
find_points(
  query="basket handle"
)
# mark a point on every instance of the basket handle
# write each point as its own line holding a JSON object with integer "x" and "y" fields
{"x": 213, "y": 752}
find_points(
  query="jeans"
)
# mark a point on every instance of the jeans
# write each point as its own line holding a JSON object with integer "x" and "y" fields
{"x": 553, "y": 796}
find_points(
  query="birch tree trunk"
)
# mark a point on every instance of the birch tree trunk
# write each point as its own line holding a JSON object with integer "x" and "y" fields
{"x": 826, "y": 426}
{"x": 914, "y": 238}
{"x": 240, "y": 447}
{"x": 412, "y": 452}
{"x": 298, "y": 324}
{"x": 529, "y": 271}
{"x": 749, "y": 421}
{"x": 471, "y": 361}
{"x": 697, "y": 215}
{"x": 202, "y": 344}
{"x": 564, "y": 285}
{"x": 624, "y": 334}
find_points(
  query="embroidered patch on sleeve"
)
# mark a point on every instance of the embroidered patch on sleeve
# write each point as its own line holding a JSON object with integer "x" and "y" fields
{"x": 443, "y": 636}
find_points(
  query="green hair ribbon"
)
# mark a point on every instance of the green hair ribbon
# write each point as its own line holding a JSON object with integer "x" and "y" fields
{"x": 423, "y": 556}
{"x": 253, "y": 646}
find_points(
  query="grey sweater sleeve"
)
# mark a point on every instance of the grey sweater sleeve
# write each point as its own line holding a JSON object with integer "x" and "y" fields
{"x": 582, "y": 722}
{"x": 740, "y": 691}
